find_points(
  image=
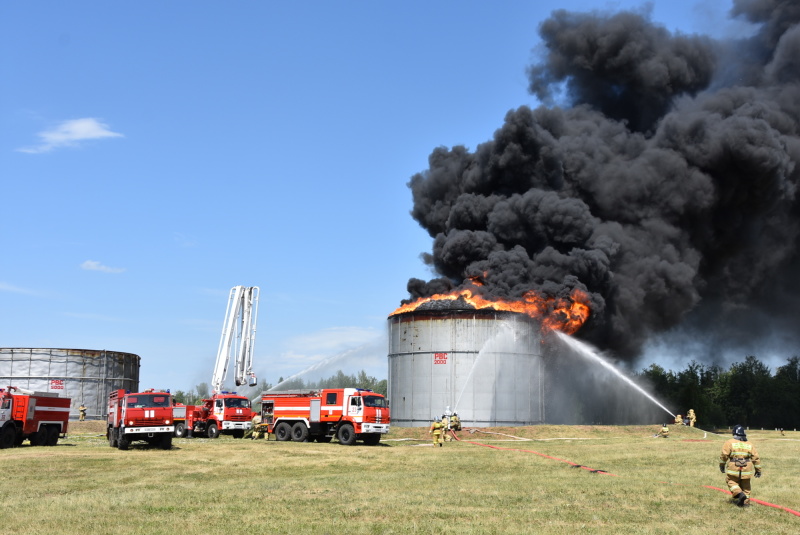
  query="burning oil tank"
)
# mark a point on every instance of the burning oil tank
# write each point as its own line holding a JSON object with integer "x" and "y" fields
{"x": 85, "y": 375}
{"x": 484, "y": 364}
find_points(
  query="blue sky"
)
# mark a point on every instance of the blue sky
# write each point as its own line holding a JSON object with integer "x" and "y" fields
{"x": 155, "y": 154}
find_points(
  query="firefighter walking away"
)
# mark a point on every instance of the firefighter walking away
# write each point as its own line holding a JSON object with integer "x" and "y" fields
{"x": 436, "y": 430}
{"x": 739, "y": 461}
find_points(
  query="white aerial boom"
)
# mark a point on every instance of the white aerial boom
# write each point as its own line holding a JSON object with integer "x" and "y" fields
{"x": 239, "y": 325}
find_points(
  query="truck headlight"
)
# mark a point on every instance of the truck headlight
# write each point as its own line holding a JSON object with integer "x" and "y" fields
{"x": 166, "y": 422}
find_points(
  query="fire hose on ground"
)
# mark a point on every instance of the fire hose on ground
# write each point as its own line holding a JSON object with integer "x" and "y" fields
{"x": 598, "y": 471}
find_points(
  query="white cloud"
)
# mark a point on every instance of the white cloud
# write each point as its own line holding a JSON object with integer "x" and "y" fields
{"x": 4, "y": 287}
{"x": 93, "y": 265}
{"x": 70, "y": 134}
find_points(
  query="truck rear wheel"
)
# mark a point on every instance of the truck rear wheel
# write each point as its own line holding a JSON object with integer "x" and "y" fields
{"x": 39, "y": 438}
{"x": 52, "y": 435}
{"x": 346, "y": 434}
{"x": 8, "y": 434}
{"x": 112, "y": 437}
{"x": 212, "y": 431}
{"x": 283, "y": 432}
{"x": 299, "y": 432}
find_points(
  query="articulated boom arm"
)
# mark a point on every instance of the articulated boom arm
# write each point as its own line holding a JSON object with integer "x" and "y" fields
{"x": 239, "y": 325}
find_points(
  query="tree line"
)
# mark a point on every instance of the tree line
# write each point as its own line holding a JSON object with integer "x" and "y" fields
{"x": 747, "y": 393}
{"x": 338, "y": 380}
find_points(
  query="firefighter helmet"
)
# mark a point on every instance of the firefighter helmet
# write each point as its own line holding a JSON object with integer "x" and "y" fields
{"x": 739, "y": 432}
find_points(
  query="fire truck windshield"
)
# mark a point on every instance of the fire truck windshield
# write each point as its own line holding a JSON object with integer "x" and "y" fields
{"x": 148, "y": 400}
{"x": 375, "y": 401}
{"x": 237, "y": 403}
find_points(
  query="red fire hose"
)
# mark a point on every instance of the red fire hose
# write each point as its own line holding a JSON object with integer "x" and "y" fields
{"x": 576, "y": 465}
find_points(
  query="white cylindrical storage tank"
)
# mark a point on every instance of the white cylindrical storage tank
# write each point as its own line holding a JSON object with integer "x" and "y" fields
{"x": 486, "y": 365}
{"x": 85, "y": 375}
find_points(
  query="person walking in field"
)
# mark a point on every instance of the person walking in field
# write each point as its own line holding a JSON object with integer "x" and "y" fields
{"x": 692, "y": 417}
{"x": 740, "y": 462}
{"x": 436, "y": 430}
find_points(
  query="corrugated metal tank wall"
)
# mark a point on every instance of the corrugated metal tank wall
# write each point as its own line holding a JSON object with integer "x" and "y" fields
{"x": 486, "y": 365}
{"x": 85, "y": 375}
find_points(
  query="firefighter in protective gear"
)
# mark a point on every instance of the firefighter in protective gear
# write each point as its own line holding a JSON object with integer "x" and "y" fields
{"x": 692, "y": 417}
{"x": 258, "y": 428}
{"x": 436, "y": 430}
{"x": 455, "y": 422}
{"x": 446, "y": 428}
{"x": 739, "y": 461}
{"x": 678, "y": 419}
{"x": 82, "y": 410}
{"x": 664, "y": 433}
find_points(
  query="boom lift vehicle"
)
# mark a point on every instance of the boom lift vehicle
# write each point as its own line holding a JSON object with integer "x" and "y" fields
{"x": 227, "y": 412}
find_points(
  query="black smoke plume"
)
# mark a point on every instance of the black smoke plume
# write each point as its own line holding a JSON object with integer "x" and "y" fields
{"x": 666, "y": 189}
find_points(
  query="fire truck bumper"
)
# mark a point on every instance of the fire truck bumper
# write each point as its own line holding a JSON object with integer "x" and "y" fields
{"x": 153, "y": 429}
{"x": 237, "y": 425}
{"x": 375, "y": 428}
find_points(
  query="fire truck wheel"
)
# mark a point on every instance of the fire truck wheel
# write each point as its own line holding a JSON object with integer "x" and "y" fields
{"x": 180, "y": 430}
{"x": 283, "y": 432}
{"x": 299, "y": 432}
{"x": 239, "y": 433}
{"x": 7, "y": 436}
{"x": 123, "y": 442}
{"x": 323, "y": 439}
{"x": 346, "y": 435}
{"x": 112, "y": 437}
{"x": 212, "y": 431}
{"x": 166, "y": 442}
{"x": 39, "y": 438}
{"x": 372, "y": 439}
{"x": 52, "y": 435}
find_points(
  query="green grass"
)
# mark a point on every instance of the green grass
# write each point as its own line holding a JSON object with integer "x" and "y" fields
{"x": 402, "y": 486}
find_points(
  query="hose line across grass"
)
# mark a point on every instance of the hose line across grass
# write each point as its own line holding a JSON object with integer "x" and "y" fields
{"x": 597, "y": 471}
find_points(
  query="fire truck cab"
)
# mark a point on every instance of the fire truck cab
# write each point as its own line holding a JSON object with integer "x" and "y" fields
{"x": 143, "y": 416}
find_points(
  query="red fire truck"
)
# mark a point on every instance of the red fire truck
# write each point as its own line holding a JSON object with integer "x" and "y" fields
{"x": 226, "y": 413}
{"x": 143, "y": 416}
{"x": 349, "y": 414}
{"x": 40, "y": 417}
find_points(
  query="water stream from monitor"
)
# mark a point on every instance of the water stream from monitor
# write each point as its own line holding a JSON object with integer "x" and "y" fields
{"x": 505, "y": 335}
{"x": 586, "y": 351}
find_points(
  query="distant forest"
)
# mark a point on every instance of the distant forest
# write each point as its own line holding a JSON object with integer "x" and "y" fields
{"x": 747, "y": 393}
{"x": 338, "y": 380}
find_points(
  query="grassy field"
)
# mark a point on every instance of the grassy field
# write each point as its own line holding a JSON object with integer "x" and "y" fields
{"x": 493, "y": 481}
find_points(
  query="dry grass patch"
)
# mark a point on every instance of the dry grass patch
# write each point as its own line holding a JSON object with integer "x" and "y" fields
{"x": 402, "y": 486}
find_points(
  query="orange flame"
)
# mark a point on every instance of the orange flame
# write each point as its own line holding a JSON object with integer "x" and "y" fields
{"x": 559, "y": 314}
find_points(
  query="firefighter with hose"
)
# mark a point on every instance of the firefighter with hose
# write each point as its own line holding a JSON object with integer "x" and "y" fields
{"x": 664, "y": 433}
{"x": 739, "y": 461}
{"x": 436, "y": 430}
{"x": 455, "y": 422}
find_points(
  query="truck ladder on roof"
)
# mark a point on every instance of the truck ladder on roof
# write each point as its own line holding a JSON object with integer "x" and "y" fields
{"x": 239, "y": 324}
